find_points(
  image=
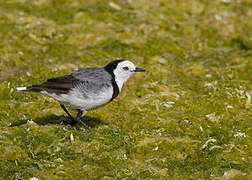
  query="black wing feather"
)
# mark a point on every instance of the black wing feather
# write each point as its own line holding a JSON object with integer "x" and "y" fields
{"x": 55, "y": 85}
{"x": 89, "y": 79}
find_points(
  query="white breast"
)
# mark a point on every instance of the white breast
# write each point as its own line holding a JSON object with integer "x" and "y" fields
{"x": 74, "y": 99}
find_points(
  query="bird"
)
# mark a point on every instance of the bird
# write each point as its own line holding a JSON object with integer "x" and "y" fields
{"x": 86, "y": 89}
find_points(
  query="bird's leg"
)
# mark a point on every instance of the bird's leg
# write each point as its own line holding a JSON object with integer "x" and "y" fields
{"x": 69, "y": 115}
{"x": 78, "y": 118}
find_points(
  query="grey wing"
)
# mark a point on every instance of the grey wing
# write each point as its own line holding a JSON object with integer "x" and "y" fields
{"x": 91, "y": 80}
{"x": 87, "y": 80}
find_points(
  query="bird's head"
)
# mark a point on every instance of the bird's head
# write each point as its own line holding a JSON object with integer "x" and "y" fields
{"x": 122, "y": 70}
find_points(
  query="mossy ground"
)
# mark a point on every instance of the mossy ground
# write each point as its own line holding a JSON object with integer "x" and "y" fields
{"x": 187, "y": 117}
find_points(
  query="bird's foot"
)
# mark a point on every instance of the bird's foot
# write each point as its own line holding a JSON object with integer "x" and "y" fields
{"x": 90, "y": 130}
{"x": 68, "y": 123}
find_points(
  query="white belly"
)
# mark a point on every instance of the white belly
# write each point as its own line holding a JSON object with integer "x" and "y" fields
{"x": 74, "y": 99}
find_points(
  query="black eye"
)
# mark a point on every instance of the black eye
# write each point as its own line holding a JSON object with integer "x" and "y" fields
{"x": 125, "y": 68}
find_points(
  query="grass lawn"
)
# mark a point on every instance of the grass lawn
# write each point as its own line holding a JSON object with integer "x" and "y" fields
{"x": 188, "y": 117}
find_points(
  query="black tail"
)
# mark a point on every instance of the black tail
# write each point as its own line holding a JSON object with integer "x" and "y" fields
{"x": 29, "y": 89}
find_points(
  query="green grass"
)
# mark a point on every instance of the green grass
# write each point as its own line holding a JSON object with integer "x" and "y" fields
{"x": 188, "y": 117}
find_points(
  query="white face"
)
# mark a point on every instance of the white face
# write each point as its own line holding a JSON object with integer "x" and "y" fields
{"x": 124, "y": 70}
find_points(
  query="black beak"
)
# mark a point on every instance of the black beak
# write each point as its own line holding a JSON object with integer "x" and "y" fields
{"x": 139, "y": 70}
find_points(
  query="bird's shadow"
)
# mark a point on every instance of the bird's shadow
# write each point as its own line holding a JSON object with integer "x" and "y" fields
{"x": 53, "y": 119}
